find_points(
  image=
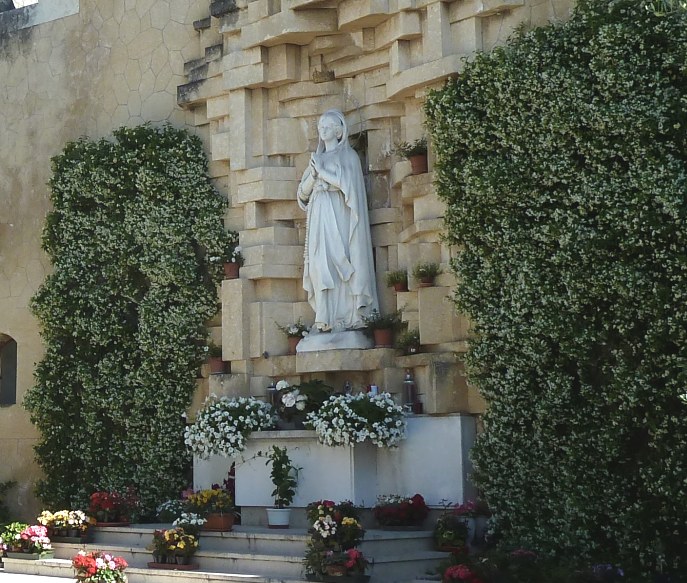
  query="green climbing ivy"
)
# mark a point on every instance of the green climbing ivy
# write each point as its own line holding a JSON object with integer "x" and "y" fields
{"x": 136, "y": 239}
{"x": 562, "y": 158}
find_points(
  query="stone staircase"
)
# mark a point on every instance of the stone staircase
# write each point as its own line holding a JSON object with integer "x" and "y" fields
{"x": 248, "y": 553}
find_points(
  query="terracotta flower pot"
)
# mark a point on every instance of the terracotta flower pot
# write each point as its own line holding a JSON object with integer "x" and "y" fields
{"x": 400, "y": 287}
{"x": 231, "y": 270}
{"x": 216, "y": 364}
{"x": 426, "y": 282}
{"x": 383, "y": 338}
{"x": 418, "y": 164}
{"x": 219, "y": 522}
{"x": 293, "y": 342}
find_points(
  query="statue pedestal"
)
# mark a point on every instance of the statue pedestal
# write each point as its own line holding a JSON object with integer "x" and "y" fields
{"x": 348, "y": 339}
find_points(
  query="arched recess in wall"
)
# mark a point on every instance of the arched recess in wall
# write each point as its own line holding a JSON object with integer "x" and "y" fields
{"x": 8, "y": 370}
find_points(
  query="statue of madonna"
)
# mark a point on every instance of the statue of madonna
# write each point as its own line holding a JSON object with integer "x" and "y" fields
{"x": 338, "y": 273}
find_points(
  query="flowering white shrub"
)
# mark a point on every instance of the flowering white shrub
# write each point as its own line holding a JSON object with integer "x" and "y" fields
{"x": 351, "y": 419}
{"x": 224, "y": 424}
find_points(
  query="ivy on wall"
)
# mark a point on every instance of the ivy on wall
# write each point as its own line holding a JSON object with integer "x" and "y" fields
{"x": 135, "y": 237}
{"x": 562, "y": 159}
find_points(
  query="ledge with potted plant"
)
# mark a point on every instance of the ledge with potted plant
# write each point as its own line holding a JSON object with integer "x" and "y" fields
{"x": 294, "y": 334}
{"x": 214, "y": 359}
{"x": 426, "y": 273}
{"x": 284, "y": 476}
{"x": 383, "y": 327}
{"x": 415, "y": 152}
{"x": 398, "y": 279}
{"x": 99, "y": 567}
{"x": 394, "y": 512}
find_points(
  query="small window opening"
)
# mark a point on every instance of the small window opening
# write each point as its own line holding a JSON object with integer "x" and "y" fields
{"x": 8, "y": 370}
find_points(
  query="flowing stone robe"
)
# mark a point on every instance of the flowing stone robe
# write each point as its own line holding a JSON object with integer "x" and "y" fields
{"x": 339, "y": 271}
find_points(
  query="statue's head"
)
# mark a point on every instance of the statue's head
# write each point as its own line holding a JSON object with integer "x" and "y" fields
{"x": 330, "y": 121}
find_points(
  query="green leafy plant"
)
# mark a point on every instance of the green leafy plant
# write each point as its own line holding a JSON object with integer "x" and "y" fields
{"x": 408, "y": 149}
{"x": 426, "y": 271}
{"x": 135, "y": 237}
{"x": 396, "y": 277}
{"x": 214, "y": 351}
{"x": 378, "y": 321}
{"x": 284, "y": 476}
{"x": 566, "y": 215}
{"x": 409, "y": 341}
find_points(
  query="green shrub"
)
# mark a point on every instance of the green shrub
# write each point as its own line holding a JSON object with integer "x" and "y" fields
{"x": 136, "y": 242}
{"x": 562, "y": 161}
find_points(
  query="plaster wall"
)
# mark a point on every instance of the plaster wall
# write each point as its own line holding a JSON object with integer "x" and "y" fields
{"x": 68, "y": 68}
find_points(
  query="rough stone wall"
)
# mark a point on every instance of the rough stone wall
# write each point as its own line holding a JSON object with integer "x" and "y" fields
{"x": 264, "y": 72}
{"x": 105, "y": 65}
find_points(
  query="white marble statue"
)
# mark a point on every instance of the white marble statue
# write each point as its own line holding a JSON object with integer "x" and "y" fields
{"x": 338, "y": 273}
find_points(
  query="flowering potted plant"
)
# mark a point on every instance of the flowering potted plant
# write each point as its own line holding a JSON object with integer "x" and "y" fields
{"x": 393, "y": 511}
{"x": 31, "y": 542}
{"x": 223, "y": 425}
{"x": 112, "y": 508}
{"x": 216, "y": 505}
{"x": 398, "y": 279}
{"x": 383, "y": 327}
{"x": 66, "y": 524}
{"x": 99, "y": 567}
{"x": 409, "y": 342}
{"x": 426, "y": 273}
{"x": 10, "y": 538}
{"x": 334, "y": 530}
{"x": 451, "y": 531}
{"x": 233, "y": 259}
{"x": 191, "y": 522}
{"x": 293, "y": 403}
{"x": 351, "y": 419}
{"x": 284, "y": 476}
{"x": 460, "y": 572}
{"x": 349, "y": 566}
{"x": 294, "y": 333}
{"x": 173, "y": 546}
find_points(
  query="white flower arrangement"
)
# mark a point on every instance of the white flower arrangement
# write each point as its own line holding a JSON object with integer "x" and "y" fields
{"x": 325, "y": 526}
{"x": 351, "y": 419}
{"x": 223, "y": 425}
{"x": 294, "y": 399}
{"x": 190, "y": 519}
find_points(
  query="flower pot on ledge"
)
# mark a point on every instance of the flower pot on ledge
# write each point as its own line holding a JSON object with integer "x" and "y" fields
{"x": 231, "y": 270}
{"x": 384, "y": 338}
{"x": 219, "y": 522}
{"x": 418, "y": 164}
{"x": 293, "y": 342}
{"x": 217, "y": 365}
{"x": 278, "y": 517}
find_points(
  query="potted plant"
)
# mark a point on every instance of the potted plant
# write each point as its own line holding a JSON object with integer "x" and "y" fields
{"x": 10, "y": 537}
{"x": 294, "y": 334}
{"x": 415, "y": 152}
{"x": 351, "y": 419}
{"x": 284, "y": 477}
{"x": 293, "y": 403}
{"x": 409, "y": 341}
{"x": 66, "y": 525}
{"x": 347, "y": 566}
{"x": 425, "y": 273}
{"x": 174, "y": 547}
{"x": 112, "y": 508}
{"x": 215, "y": 362}
{"x": 99, "y": 567}
{"x": 451, "y": 531}
{"x": 31, "y": 543}
{"x": 217, "y": 507}
{"x": 383, "y": 327}
{"x": 398, "y": 279}
{"x": 223, "y": 425}
{"x": 233, "y": 259}
{"x": 400, "y": 512}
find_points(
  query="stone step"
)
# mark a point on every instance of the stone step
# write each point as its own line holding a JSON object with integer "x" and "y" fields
{"x": 246, "y": 553}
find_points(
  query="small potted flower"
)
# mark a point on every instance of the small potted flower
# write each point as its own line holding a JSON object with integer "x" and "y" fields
{"x": 294, "y": 334}
{"x": 34, "y": 543}
{"x": 173, "y": 546}
{"x": 398, "y": 279}
{"x": 215, "y": 362}
{"x": 393, "y": 512}
{"x": 233, "y": 259}
{"x": 426, "y": 273}
{"x": 284, "y": 476}
{"x": 409, "y": 341}
{"x": 10, "y": 537}
{"x": 451, "y": 532}
{"x": 99, "y": 567}
{"x": 415, "y": 152}
{"x": 460, "y": 572}
{"x": 223, "y": 425}
{"x": 293, "y": 403}
{"x": 217, "y": 507}
{"x": 383, "y": 327}
{"x": 66, "y": 525}
{"x": 191, "y": 522}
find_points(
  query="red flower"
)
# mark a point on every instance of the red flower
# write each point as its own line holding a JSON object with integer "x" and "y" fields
{"x": 460, "y": 573}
